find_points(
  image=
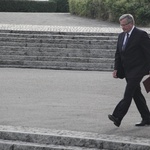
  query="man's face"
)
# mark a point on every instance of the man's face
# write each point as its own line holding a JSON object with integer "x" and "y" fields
{"x": 125, "y": 25}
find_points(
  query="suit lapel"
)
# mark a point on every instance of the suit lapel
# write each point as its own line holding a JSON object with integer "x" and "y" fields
{"x": 130, "y": 38}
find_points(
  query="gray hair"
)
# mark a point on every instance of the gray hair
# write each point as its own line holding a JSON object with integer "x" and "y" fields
{"x": 128, "y": 17}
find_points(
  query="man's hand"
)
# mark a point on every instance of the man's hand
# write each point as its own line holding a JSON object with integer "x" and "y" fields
{"x": 115, "y": 74}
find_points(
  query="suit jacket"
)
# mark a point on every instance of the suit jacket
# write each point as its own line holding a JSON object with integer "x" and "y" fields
{"x": 134, "y": 61}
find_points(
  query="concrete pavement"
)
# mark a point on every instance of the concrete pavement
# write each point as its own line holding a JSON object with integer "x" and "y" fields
{"x": 61, "y": 22}
{"x": 63, "y": 100}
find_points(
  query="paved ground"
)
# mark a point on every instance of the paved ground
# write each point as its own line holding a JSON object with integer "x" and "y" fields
{"x": 52, "y": 19}
{"x": 55, "y": 22}
{"x": 63, "y": 100}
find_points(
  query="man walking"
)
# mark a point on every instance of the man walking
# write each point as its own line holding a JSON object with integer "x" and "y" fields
{"x": 132, "y": 61}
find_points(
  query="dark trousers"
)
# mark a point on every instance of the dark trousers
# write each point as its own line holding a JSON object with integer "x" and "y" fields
{"x": 132, "y": 90}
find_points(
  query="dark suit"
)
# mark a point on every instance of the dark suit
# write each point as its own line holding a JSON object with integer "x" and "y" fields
{"x": 134, "y": 61}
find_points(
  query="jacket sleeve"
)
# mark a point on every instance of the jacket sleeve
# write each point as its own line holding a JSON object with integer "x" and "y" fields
{"x": 145, "y": 46}
{"x": 117, "y": 62}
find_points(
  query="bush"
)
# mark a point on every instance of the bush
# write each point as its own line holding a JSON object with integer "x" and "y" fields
{"x": 89, "y": 8}
{"x": 139, "y": 9}
{"x": 112, "y": 9}
{"x": 34, "y": 6}
{"x": 27, "y": 6}
{"x": 62, "y": 6}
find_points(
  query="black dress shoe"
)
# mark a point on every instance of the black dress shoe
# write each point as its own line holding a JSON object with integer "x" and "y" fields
{"x": 143, "y": 123}
{"x": 116, "y": 121}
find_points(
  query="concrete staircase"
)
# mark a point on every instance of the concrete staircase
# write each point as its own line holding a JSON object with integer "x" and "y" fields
{"x": 27, "y": 141}
{"x": 23, "y": 138}
{"x": 57, "y": 50}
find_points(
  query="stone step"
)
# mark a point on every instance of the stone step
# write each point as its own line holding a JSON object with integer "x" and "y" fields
{"x": 59, "y": 45}
{"x": 23, "y": 138}
{"x": 54, "y": 58}
{"x": 91, "y": 66}
{"x": 51, "y": 36}
{"x": 60, "y": 33}
{"x": 17, "y": 145}
{"x": 57, "y": 52}
{"x": 57, "y": 41}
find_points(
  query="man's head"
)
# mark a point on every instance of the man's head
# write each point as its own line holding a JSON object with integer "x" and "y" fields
{"x": 126, "y": 22}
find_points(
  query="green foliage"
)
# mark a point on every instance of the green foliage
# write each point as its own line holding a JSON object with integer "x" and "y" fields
{"x": 112, "y": 9}
{"x": 75, "y": 7}
{"x": 139, "y": 9}
{"x": 101, "y": 10}
{"x": 89, "y": 8}
{"x": 34, "y": 6}
{"x": 27, "y": 6}
{"x": 62, "y": 6}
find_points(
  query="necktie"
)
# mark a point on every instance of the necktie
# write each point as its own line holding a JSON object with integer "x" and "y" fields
{"x": 125, "y": 42}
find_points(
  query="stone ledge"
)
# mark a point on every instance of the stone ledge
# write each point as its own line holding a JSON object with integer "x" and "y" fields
{"x": 79, "y": 29}
{"x": 58, "y": 28}
{"x": 72, "y": 138}
{"x": 17, "y": 145}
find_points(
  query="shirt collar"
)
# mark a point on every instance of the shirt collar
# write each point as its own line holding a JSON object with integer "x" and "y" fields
{"x": 131, "y": 31}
